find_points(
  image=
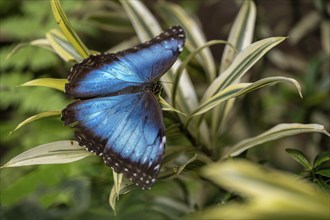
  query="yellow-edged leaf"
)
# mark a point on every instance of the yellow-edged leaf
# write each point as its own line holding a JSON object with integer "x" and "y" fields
{"x": 113, "y": 197}
{"x": 242, "y": 63}
{"x": 228, "y": 93}
{"x": 240, "y": 35}
{"x": 58, "y": 84}
{"x": 115, "y": 190}
{"x": 238, "y": 89}
{"x": 175, "y": 14}
{"x": 67, "y": 28}
{"x": 167, "y": 107}
{"x": 270, "y": 194}
{"x": 182, "y": 67}
{"x": 62, "y": 46}
{"x": 36, "y": 117}
{"x": 52, "y": 153}
{"x": 181, "y": 168}
{"x": 279, "y": 131}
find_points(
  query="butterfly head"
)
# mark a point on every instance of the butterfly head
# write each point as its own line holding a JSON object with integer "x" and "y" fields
{"x": 156, "y": 88}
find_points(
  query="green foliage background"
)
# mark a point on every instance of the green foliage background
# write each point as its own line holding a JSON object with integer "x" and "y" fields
{"x": 80, "y": 190}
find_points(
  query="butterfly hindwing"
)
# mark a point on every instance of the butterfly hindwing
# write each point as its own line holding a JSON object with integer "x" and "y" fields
{"x": 107, "y": 74}
{"x": 126, "y": 130}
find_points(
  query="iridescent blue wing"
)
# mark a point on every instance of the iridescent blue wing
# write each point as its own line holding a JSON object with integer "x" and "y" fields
{"x": 126, "y": 130}
{"x": 118, "y": 116}
{"x": 108, "y": 74}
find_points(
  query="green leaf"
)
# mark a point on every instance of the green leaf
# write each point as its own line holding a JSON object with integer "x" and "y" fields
{"x": 238, "y": 89}
{"x": 117, "y": 178}
{"x": 36, "y": 117}
{"x": 62, "y": 46}
{"x": 240, "y": 35}
{"x": 48, "y": 82}
{"x": 270, "y": 194}
{"x": 52, "y": 153}
{"x": 223, "y": 95}
{"x": 321, "y": 157}
{"x": 175, "y": 14}
{"x": 324, "y": 172}
{"x": 167, "y": 107}
{"x": 179, "y": 71}
{"x": 300, "y": 157}
{"x": 279, "y": 131}
{"x": 115, "y": 191}
{"x": 177, "y": 170}
{"x": 323, "y": 185}
{"x": 67, "y": 29}
{"x": 144, "y": 23}
{"x": 113, "y": 197}
{"x": 242, "y": 63}
{"x": 181, "y": 168}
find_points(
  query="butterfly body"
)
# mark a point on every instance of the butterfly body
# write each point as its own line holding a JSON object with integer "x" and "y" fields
{"x": 117, "y": 115}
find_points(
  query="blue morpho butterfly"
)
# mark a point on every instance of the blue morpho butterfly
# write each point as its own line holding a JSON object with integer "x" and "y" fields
{"x": 117, "y": 114}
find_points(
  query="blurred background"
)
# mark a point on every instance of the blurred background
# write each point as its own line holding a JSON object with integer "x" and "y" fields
{"x": 81, "y": 189}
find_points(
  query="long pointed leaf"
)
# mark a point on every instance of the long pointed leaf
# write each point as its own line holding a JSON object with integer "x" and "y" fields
{"x": 279, "y": 131}
{"x": 167, "y": 107}
{"x": 300, "y": 157}
{"x": 240, "y": 36}
{"x": 238, "y": 89}
{"x": 48, "y": 82}
{"x": 62, "y": 46}
{"x": 36, "y": 117}
{"x": 52, "y": 153}
{"x": 224, "y": 95}
{"x": 321, "y": 158}
{"x": 242, "y": 63}
{"x": 175, "y": 14}
{"x": 183, "y": 65}
{"x": 67, "y": 29}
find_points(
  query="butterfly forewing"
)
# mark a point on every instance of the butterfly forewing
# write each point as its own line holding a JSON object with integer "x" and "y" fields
{"x": 107, "y": 74}
{"x": 118, "y": 116}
